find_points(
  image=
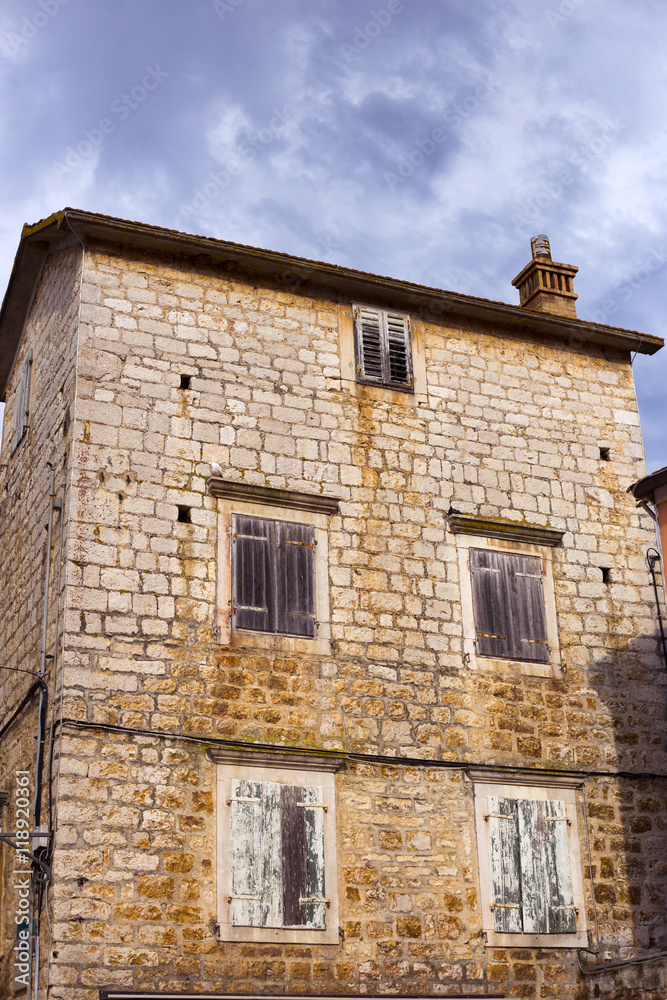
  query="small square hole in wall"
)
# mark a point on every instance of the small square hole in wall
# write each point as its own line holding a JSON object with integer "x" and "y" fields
{"x": 185, "y": 383}
{"x": 184, "y": 514}
{"x": 604, "y": 455}
{"x": 606, "y": 574}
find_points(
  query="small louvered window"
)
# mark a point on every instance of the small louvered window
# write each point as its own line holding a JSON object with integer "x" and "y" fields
{"x": 530, "y": 866}
{"x": 21, "y": 405}
{"x": 508, "y": 605}
{"x": 382, "y": 345}
{"x": 273, "y": 571}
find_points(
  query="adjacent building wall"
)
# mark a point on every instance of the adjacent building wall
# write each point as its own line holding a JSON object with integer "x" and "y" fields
{"x": 50, "y": 334}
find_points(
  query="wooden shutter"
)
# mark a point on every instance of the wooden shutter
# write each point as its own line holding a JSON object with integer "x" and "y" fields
{"x": 398, "y": 348}
{"x": 491, "y": 603}
{"x": 369, "y": 337}
{"x": 546, "y": 876}
{"x": 277, "y": 834}
{"x": 252, "y": 573}
{"x": 528, "y": 611}
{"x": 257, "y": 899}
{"x": 505, "y": 868}
{"x": 302, "y": 820}
{"x": 562, "y": 912}
{"x": 295, "y": 579}
{"x": 21, "y": 405}
{"x": 382, "y": 343}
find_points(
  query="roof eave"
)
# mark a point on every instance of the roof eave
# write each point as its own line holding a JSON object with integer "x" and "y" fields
{"x": 38, "y": 240}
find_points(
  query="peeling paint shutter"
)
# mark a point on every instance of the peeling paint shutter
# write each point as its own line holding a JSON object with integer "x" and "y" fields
{"x": 398, "y": 346}
{"x": 491, "y": 606}
{"x": 546, "y": 876}
{"x": 532, "y": 834}
{"x": 256, "y": 854}
{"x": 562, "y": 913}
{"x": 528, "y": 612}
{"x": 505, "y": 869}
{"x": 296, "y": 579}
{"x": 277, "y": 855}
{"x": 21, "y": 405}
{"x": 369, "y": 338}
{"x": 252, "y": 571}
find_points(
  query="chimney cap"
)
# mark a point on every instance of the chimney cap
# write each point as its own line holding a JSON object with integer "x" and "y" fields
{"x": 539, "y": 246}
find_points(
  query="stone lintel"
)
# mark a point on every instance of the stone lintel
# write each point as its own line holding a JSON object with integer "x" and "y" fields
{"x": 513, "y": 531}
{"x": 226, "y": 490}
{"x": 275, "y": 758}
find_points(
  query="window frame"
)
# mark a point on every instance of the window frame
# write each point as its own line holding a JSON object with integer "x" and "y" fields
{"x": 255, "y": 766}
{"x": 509, "y": 546}
{"x": 281, "y": 508}
{"x": 540, "y": 789}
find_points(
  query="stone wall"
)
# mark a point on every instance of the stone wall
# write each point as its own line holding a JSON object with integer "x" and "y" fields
{"x": 508, "y": 427}
{"x": 50, "y": 334}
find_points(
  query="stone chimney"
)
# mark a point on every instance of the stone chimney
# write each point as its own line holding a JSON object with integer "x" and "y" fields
{"x": 544, "y": 285}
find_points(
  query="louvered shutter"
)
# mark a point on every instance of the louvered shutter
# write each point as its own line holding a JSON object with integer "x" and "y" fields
{"x": 546, "y": 876}
{"x": 383, "y": 347}
{"x": 528, "y": 611}
{"x": 505, "y": 869}
{"x": 398, "y": 347}
{"x": 21, "y": 405}
{"x": 369, "y": 339}
{"x": 252, "y": 573}
{"x": 277, "y": 834}
{"x": 491, "y": 603}
{"x": 295, "y": 579}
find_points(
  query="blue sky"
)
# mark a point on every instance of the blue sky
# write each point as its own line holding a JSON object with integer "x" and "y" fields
{"x": 423, "y": 139}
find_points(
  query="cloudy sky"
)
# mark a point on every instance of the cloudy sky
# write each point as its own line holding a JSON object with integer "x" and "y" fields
{"x": 423, "y": 139}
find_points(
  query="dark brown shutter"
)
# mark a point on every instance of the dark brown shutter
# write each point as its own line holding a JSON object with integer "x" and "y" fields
{"x": 398, "y": 347}
{"x": 293, "y": 832}
{"x": 253, "y": 590}
{"x": 21, "y": 405}
{"x": 490, "y": 598}
{"x": 528, "y": 612}
{"x": 369, "y": 343}
{"x": 295, "y": 579}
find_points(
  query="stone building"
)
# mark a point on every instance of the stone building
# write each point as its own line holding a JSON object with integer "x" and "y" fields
{"x": 343, "y": 667}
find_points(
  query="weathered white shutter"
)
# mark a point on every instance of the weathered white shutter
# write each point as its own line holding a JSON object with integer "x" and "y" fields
{"x": 257, "y": 898}
{"x": 277, "y": 834}
{"x": 546, "y": 877}
{"x": 21, "y": 405}
{"x": 505, "y": 870}
{"x": 491, "y": 603}
{"x": 562, "y": 912}
{"x": 528, "y": 611}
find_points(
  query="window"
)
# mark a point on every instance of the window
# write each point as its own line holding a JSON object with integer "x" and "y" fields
{"x": 273, "y": 571}
{"x": 530, "y": 872}
{"x": 508, "y": 603}
{"x": 272, "y": 567}
{"x": 277, "y": 878}
{"x": 21, "y": 405}
{"x": 382, "y": 348}
{"x": 507, "y": 595}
